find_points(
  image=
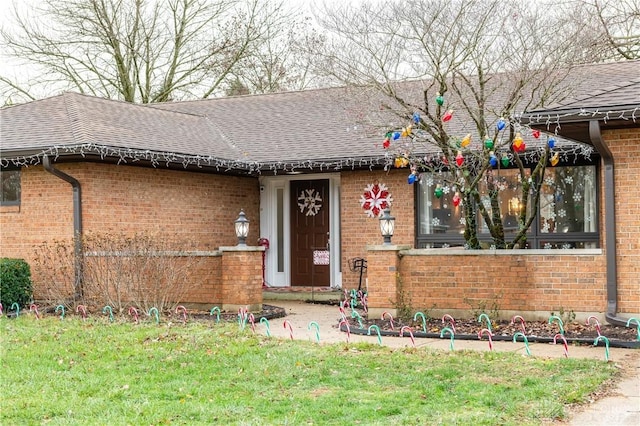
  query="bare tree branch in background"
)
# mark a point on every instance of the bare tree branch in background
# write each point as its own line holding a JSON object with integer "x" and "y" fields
{"x": 138, "y": 50}
{"x": 488, "y": 58}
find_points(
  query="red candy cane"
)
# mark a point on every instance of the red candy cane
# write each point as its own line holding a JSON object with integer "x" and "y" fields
{"x": 385, "y": 313}
{"x": 184, "y": 312}
{"x": 407, "y": 328}
{"x": 33, "y": 308}
{"x": 346, "y": 323}
{"x": 597, "y": 323}
{"x": 285, "y": 324}
{"x": 519, "y": 318}
{"x": 252, "y": 321}
{"x": 488, "y": 333}
{"x": 134, "y": 313}
{"x": 82, "y": 310}
{"x": 452, "y": 322}
{"x": 564, "y": 341}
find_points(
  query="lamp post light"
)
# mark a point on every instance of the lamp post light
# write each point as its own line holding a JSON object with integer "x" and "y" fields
{"x": 387, "y": 225}
{"x": 242, "y": 228}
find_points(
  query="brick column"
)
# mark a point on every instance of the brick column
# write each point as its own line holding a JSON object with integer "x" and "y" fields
{"x": 382, "y": 268}
{"x": 241, "y": 277}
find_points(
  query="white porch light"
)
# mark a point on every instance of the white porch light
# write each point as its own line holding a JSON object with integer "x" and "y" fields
{"x": 387, "y": 225}
{"x": 242, "y": 228}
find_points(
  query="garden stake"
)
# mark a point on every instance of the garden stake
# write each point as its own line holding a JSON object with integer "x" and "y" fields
{"x": 596, "y": 321}
{"x": 559, "y": 320}
{"x": 242, "y": 318}
{"x": 82, "y": 310}
{"x": 355, "y": 314}
{"x": 519, "y": 318}
{"x": 217, "y": 311}
{"x": 61, "y": 308}
{"x": 424, "y": 320}
{"x": 134, "y": 313}
{"x": 285, "y": 324}
{"x": 407, "y": 328}
{"x": 266, "y": 324}
{"x": 452, "y": 322}
{"x": 155, "y": 312}
{"x": 346, "y": 323}
{"x": 252, "y": 321}
{"x": 34, "y": 308}
{"x": 451, "y": 333}
{"x": 564, "y": 341}
{"x": 184, "y": 313}
{"x": 0, "y": 309}
{"x": 317, "y": 327}
{"x": 363, "y": 300}
{"x": 17, "y": 308}
{"x": 343, "y": 313}
{"x": 637, "y": 325}
{"x": 486, "y": 317}
{"x": 377, "y": 329}
{"x": 108, "y": 308}
{"x": 489, "y": 334}
{"x": 524, "y": 339}
{"x": 385, "y": 313}
{"x": 606, "y": 345}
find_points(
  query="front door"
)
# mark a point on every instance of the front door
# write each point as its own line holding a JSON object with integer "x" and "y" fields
{"x": 309, "y": 232}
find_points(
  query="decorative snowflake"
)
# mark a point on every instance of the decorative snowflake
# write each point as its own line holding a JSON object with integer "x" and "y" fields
{"x": 435, "y": 221}
{"x": 375, "y": 199}
{"x": 429, "y": 181}
{"x": 577, "y": 197}
{"x": 492, "y": 247}
{"x": 552, "y": 215}
{"x": 463, "y": 221}
{"x": 547, "y": 246}
{"x": 562, "y": 213}
{"x": 568, "y": 180}
{"x": 309, "y": 202}
{"x": 566, "y": 246}
{"x": 545, "y": 228}
{"x": 446, "y": 189}
{"x": 549, "y": 181}
{"x": 445, "y": 245}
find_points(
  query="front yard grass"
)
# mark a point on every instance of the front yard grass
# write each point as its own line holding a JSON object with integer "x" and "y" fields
{"x": 65, "y": 372}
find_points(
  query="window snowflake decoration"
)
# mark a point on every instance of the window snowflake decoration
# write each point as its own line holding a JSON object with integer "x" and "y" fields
{"x": 309, "y": 202}
{"x": 375, "y": 199}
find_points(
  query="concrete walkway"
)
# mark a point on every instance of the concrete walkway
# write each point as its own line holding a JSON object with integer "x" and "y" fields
{"x": 620, "y": 408}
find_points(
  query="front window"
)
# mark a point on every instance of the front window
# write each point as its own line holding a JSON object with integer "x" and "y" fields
{"x": 567, "y": 216}
{"x": 10, "y": 187}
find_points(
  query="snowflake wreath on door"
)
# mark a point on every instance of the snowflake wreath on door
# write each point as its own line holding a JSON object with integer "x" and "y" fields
{"x": 309, "y": 202}
{"x": 375, "y": 199}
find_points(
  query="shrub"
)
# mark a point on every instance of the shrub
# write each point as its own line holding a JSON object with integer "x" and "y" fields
{"x": 15, "y": 282}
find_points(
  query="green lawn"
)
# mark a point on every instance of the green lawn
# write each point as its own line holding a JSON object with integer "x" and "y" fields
{"x": 73, "y": 372}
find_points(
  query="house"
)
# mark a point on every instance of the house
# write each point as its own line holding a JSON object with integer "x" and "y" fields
{"x": 310, "y": 175}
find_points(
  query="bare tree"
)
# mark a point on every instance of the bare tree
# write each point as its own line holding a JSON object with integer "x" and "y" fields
{"x": 138, "y": 50}
{"x": 484, "y": 61}
{"x": 611, "y": 28}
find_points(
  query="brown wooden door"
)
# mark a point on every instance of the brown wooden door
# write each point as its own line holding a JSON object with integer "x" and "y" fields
{"x": 309, "y": 231}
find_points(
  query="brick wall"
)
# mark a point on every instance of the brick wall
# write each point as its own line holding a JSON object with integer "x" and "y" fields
{"x": 196, "y": 209}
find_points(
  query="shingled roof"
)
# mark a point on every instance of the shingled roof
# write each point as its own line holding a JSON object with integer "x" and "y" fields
{"x": 323, "y": 129}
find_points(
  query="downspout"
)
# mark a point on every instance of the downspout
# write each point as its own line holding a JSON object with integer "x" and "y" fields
{"x": 77, "y": 222}
{"x": 595, "y": 136}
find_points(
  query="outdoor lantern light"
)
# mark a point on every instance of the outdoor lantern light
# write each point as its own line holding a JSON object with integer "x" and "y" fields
{"x": 387, "y": 224}
{"x": 242, "y": 228}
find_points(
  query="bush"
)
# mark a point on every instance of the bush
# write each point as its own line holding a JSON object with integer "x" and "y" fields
{"x": 15, "y": 282}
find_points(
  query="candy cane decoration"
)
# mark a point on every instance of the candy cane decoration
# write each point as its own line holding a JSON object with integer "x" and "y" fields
{"x": 343, "y": 313}
{"x": 317, "y": 327}
{"x": 408, "y": 329}
{"x": 356, "y": 315}
{"x": 564, "y": 341}
{"x": 110, "y": 310}
{"x": 134, "y": 313}
{"x": 387, "y": 314}
{"x": 451, "y": 333}
{"x": 365, "y": 302}
{"x": 184, "y": 313}
{"x": 82, "y": 310}
{"x": 217, "y": 312}
{"x": 449, "y": 321}
{"x": 61, "y": 308}
{"x": 377, "y": 329}
{"x": 34, "y": 308}
{"x": 346, "y": 323}
{"x": 524, "y": 339}
{"x": 286, "y": 324}
{"x": 156, "y": 313}
{"x": 489, "y": 334}
{"x": 597, "y": 323}
{"x": 522, "y": 325}
{"x": 252, "y": 321}
{"x": 265, "y": 321}
{"x": 486, "y": 318}
{"x": 1, "y": 309}
{"x": 17, "y": 308}
{"x": 243, "y": 317}
{"x": 637, "y": 325}
{"x": 559, "y": 321}
{"x": 606, "y": 345}
{"x": 424, "y": 320}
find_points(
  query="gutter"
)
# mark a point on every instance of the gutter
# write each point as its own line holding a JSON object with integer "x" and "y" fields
{"x": 595, "y": 135}
{"x": 77, "y": 222}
